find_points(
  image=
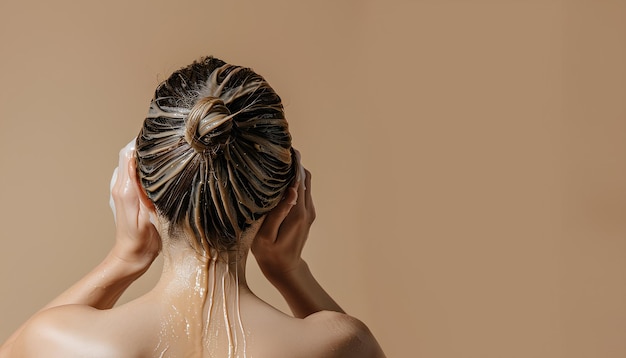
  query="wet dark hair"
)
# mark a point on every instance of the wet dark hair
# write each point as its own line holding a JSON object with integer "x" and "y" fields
{"x": 214, "y": 153}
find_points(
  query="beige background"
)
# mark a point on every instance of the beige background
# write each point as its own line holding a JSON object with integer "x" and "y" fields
{"x": 469, "y": 157}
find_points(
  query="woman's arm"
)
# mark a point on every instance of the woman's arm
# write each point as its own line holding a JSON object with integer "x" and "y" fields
{"x": 136, "y": 246}
{"x": 278, "y": 248}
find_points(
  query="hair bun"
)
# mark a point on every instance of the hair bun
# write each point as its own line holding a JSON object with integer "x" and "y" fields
{"x": 208, "y": 125}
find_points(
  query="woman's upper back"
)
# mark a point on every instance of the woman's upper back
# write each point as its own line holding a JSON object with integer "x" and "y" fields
{"x": 137, "y": 330}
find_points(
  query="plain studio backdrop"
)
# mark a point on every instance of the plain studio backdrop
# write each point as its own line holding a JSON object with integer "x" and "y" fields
{"x": 469, "y": 157}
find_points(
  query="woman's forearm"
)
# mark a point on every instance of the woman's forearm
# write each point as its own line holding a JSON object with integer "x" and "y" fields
{"x": 101, "y": 288}
{"x": 303, "y": 293}
{"x": 137, "y": 244}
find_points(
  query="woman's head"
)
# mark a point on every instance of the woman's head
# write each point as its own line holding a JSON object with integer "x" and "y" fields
{"x": 214, "y": 153}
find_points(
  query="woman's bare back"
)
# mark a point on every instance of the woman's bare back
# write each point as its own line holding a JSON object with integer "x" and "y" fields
{"x": 136, "y": 330}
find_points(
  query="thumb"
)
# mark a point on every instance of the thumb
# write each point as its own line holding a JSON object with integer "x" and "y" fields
{"x": 273, "y": 220}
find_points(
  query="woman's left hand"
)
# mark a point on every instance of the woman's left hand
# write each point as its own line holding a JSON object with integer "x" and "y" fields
{"x": 137, "y": 242}
{"x": 279, "y": 242}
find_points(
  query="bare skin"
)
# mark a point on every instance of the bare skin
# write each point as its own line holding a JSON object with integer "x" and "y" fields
{"x": 82, "y": 322}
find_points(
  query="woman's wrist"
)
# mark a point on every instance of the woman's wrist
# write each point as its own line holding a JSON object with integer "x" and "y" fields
{"x": 123, "y": 264}
{"x": 289, "y": 277}
{"x": 132, "y": 256}
{"x": 103, "y": 286}
{"x": 303, "y": 293}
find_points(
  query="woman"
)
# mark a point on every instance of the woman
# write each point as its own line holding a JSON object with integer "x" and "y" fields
{"x": 212, "y": 177}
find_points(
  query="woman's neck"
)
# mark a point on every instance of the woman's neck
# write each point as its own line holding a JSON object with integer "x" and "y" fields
{"x": 184, "y": 268}
{"x": 199, "y": 300}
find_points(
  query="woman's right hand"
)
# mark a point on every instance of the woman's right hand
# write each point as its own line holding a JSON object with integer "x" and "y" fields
{"x": 279, "y": 242}
{"x": 137, "y": 241}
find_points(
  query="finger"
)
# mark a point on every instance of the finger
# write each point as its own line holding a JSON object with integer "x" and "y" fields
{"x": 147, "y": 209}
{"x": 125, "y": 154}
{"x": 134, "y": 178}
{"x": 298, "y": 182}
{"x": 273, "y": 220}
{"x": 131, "y": 197}
{"x": 308, "y": 197}
{"x": 125, "y": 200}
{"x": 300, "y": 205}
{"x": 300, "y": 173}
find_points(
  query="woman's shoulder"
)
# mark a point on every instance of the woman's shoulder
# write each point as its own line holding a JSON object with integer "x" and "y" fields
{"x": 346, "y": 336}
{"x": 75, "y": 331}
{"x": 334, "y": 334}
